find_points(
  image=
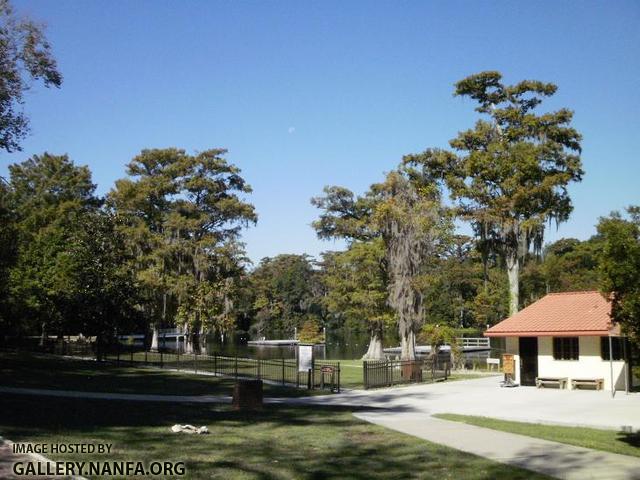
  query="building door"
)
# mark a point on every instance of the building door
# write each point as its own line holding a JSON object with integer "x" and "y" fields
{"x": 528, "y": 360}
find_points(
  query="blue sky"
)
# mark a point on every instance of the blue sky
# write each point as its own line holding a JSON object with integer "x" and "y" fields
{"x": 307, "y": 94}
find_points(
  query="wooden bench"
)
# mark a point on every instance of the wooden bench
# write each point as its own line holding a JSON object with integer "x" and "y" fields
{"x": 561, "y": 382}
{"x": 588, "y": 382}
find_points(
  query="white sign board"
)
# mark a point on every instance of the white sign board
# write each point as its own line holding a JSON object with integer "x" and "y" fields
{"x": 305, "y": 358}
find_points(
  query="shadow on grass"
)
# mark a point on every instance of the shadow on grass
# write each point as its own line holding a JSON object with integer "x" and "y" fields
{"x": 49, "y": 372}
{"x": 280, "y": 442}
{"x": 630, "y": 438}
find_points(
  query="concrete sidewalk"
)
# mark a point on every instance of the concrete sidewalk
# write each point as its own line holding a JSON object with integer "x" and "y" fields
{"x": 551, "y": 458}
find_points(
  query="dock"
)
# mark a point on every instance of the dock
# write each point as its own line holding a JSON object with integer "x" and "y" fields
{"x": 275, "y": 343}
{"x": 272, "y": 343}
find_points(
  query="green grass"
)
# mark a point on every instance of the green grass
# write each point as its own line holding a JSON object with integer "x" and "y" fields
{"x": 351, "y": 374}
{"x": 278, "y": 443}
{"x": 50, "y": 372}
{"x": 605, "y": 440}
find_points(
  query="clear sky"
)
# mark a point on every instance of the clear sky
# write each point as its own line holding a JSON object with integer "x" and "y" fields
{"x": 307, "y": 94}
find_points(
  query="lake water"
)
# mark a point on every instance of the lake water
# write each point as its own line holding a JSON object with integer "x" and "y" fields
{"x": 341, "y": 345}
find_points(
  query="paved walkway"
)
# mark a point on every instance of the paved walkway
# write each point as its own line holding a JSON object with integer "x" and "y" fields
{"x": 551, "y": 458}
{"x": 409, "y": 410}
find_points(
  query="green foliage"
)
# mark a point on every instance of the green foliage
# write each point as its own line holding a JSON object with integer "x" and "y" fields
{"x": 437, "y": 335}
{"x": 8, "y": 250}
{"x": 356, "y": 288}
{"x": 310, "y": 332}
{"x": 406, "y": 213}
{"x": 25, "y": 56}
{"x": 620, "y": 268}
{"x": 48, "y": 195}
{"x": 181, "y": 215}
{"x": 509, "y": 174}
{"x": 285, "y": 290}
{"x": 566, "y": 265}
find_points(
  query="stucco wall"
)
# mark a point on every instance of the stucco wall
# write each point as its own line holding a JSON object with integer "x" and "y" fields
{"x": 589, "y": 364}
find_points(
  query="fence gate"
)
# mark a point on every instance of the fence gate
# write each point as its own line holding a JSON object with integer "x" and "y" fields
{"x": 386, "y": 373}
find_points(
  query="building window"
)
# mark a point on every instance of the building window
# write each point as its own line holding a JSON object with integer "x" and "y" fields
{"x": 565, "y": 348}
{"x": 616, "y": 348}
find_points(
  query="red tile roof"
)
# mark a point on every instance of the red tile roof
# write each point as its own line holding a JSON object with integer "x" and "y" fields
{"x": 559, "y": 314}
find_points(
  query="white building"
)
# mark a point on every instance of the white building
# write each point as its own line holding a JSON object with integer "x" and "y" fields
{"x": 566, "y": 336}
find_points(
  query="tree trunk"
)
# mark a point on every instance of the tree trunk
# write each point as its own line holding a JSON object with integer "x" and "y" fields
{"x": 408, "y": 346}
{"x": 374, "y": 352}
{"x": 154, "y": 338}
{"x": 188, "y": 339}
{"x": 204, "y": 332}
{"x": 43, "y": 334}
{"x": 513, "y": 270}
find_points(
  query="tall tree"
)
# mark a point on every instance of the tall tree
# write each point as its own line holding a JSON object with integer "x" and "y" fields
{"x": 46, "y": 194}
{"x": 405, "y": 212}
{"x": 8, "y": 250}
{"x": 619, "y": 268}
{"x": 509, "y": 174}
{"x": 356, "y": 290}
{"x": 25, "y": 56}
{"x": 94, "y": 280}
{"x": 183, "y": 215}
{"x": 416, "y": 229}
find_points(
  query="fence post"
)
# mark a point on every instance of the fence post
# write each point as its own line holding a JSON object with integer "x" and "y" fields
{"x": 145, "y": 357}
{"x": 195, "y": 362}
{"x": 392, "y": 373}
{"x": 338, "y": 377}
{"x": 282, "y": 371}
{"x": 178, "y": 360}
{"x": 118, "y": 353}
{"x": 215, "y": 364}
{"x": 258, "y": 369}
{"x": 236, "y": 366}
{"x": 161, "y": 360}
{"x": 365, "y": 375}
{"x": 309, "y": 384}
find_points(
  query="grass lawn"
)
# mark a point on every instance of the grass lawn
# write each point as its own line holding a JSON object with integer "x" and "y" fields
{"x": 606, "y": 440}
{"x": 352, "y": 374}
{"x": 47, "y": 371}
{"x": 278, "y": 443}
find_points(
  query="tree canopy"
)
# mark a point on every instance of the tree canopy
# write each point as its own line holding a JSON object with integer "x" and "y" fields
{"x": 509, "y": 174}
{"x": 619, "y": 268}
{"x": 25, "y": 56}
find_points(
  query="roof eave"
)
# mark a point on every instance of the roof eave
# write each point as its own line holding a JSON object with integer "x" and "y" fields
{"x": 564, "y": 333}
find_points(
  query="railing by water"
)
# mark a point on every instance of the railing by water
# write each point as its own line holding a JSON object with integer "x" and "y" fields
{"x": 478, "y": 342}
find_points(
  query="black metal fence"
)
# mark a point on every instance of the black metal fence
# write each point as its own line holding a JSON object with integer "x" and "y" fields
{"x": 56, "y": 347}
{"x": 324, "y": 375}
{"x": 386, "y": 373}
